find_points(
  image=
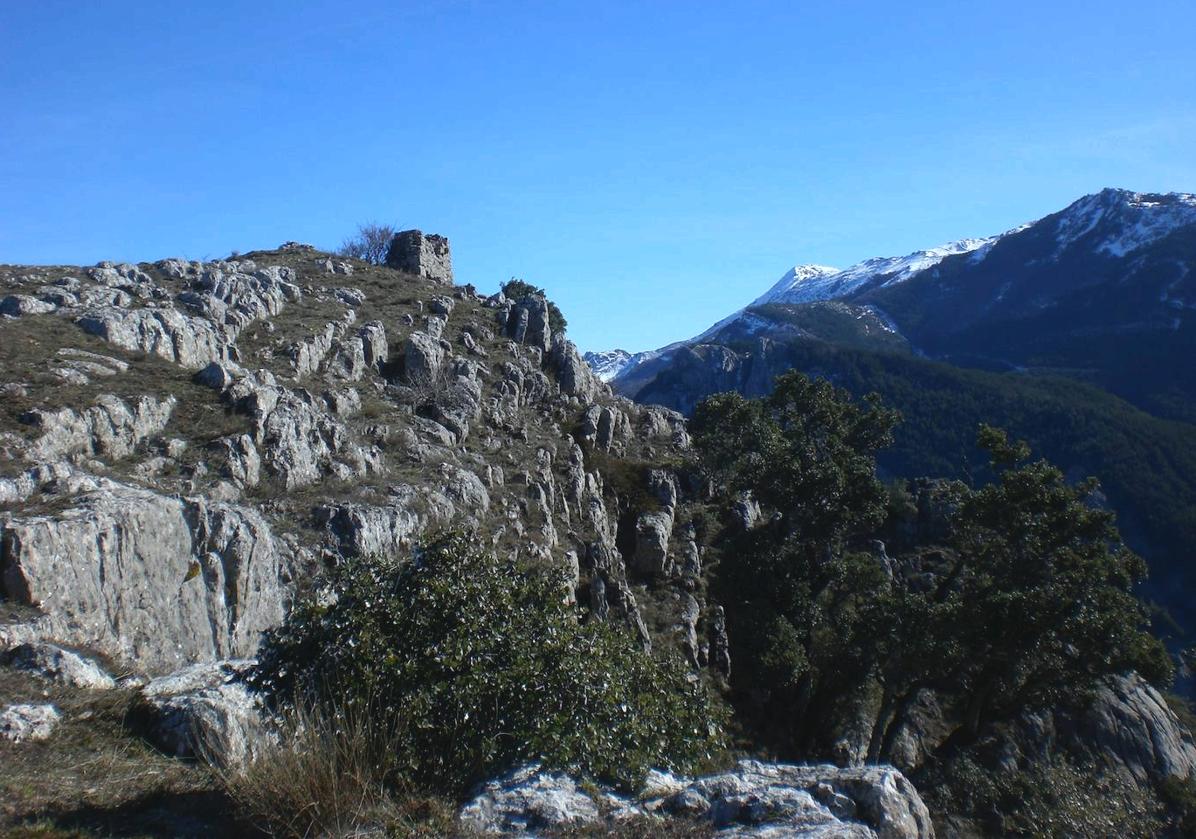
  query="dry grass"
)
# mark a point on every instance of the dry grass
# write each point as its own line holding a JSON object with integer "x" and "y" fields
{"x": 331, "y": 774}
{"x": 95, "y": 776}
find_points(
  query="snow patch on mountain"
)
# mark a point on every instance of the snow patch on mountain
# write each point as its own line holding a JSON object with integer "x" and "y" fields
{"x": 608, "y": 364}
{"x": 808, "y": 286}
{"x": 1123, "y": 221}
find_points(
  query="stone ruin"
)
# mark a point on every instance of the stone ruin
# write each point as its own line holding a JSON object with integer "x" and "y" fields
{"x": 427, "y": 256}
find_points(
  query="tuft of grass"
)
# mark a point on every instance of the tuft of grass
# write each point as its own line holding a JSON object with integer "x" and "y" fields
{"x": 330, "y": 773}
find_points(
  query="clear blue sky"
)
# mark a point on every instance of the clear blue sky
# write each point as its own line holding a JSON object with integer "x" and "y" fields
{"x": 655, "y": 165}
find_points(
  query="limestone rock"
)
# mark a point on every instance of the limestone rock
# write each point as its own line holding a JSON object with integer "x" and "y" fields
{"x": 19, "y": 723}
{"x": 652, "y": 533}
{"x": 528, "y": 324}
{"x": 1130, "y": 729}
{"x": 754, "y": 799}
{"x": 374, "y": 344}
{"x": 364, "y": 530}
{"x": 298, "y": 439}
{"x": 576, "y": 377}
{"x": 59, "y": 665}
{"x": 207, "y": 710}
{"x": 525, "y": 801}
{"x": 423, "y": 356}
{"x": 689, "y": 628}
{"x": 16, "y": 305}
{"x": 111, "y": 428}
{"x": 148, "y": 579}
{"x": 758, "y": 798}
{"x": 192, "y": 342}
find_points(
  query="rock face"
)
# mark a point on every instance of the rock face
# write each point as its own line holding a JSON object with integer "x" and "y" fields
{"x": 753, "y": 799}
{"x": 148, "y": 579}
{"x": 1130, "y": 729}
{"x": 231, "y": 425}
{"x": 426, "y": 256}
{"x": 110, "y": 428}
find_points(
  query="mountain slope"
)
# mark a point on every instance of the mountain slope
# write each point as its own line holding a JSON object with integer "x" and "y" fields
{"x": 1076, "y": 332}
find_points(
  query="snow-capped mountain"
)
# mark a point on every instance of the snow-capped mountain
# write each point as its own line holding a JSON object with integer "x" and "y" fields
{"x": 810, "y": 283}
{"x": 610, "y": 363}
{"x": 1124, "y": 221}
{"x": 1104, "y": 287}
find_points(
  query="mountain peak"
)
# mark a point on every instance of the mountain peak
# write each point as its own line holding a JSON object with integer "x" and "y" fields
{"x": 810, "y": 283}
{"x": 1117, "y": 221}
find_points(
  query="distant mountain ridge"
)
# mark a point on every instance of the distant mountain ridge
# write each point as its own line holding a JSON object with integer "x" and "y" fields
{"x": 1111, "y": 264}
{"x": 1076, "y": 332}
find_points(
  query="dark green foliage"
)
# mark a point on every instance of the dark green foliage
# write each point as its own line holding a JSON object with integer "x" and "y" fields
{"x": 1055, "y": 797}
{"x": 794, "y": 596}
{"x": 1179, "y": 794}
{"x": 1147, "y": 465}
{"x": 806, "y": 450}
{"x": 479, "y": 665}
{"x": 1035, "y": 603}
{"x": 1032, "y": 599}
{"x": 516, "y": 288}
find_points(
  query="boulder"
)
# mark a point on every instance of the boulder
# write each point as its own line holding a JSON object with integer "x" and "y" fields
{"x": 60, "y": 665}
{"x": 575, "y": 376}
{"x": 374, "y": 344}
{"x": 526, "y": 801}
{"x": 207, "y": 710}
{"x": 757, "y": 798}
{"x": 528, "y": 323}
{"x": 423, "y": 356}
{"x": 1130, "y": 729}
{"x": 652, "y": 532}
{"x": 19, "y": 723}
{"x": 16, "y": 305}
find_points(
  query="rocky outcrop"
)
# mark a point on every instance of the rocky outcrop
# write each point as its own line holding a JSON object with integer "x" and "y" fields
{"x": 207, "y": 711}
{"x": 298, "y": 440}
{"x": 1130, "y": 730}
{"x": 15, "y": 305}
{"x": 387, "y": 529}
{"x": 191, "y": 342}
{"x": 111, "y": 428}
{"x": 753, "y": 799}
{"x": 423, "y": 356}
{"x": 154, "y": 581}
{"x": 57, "y": 664}
{"x": 526, "y": 800}
{"x": 652, "y": 534}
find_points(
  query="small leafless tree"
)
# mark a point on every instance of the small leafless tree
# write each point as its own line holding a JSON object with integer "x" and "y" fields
{"x": 369, "y": 243}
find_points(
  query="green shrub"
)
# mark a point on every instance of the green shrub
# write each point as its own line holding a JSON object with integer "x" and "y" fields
{"x": 1052, "y": 797}
{"x": 477, "y": 665}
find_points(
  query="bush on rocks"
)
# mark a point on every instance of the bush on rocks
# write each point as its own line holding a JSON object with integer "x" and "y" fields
{"x": 476, "y": 664}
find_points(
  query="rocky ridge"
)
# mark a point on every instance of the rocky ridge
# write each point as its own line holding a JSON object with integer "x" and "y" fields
{"x": 183, "y": 445}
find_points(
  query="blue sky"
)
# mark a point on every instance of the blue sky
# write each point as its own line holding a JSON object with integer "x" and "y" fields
{"x": 653, "y": 165}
